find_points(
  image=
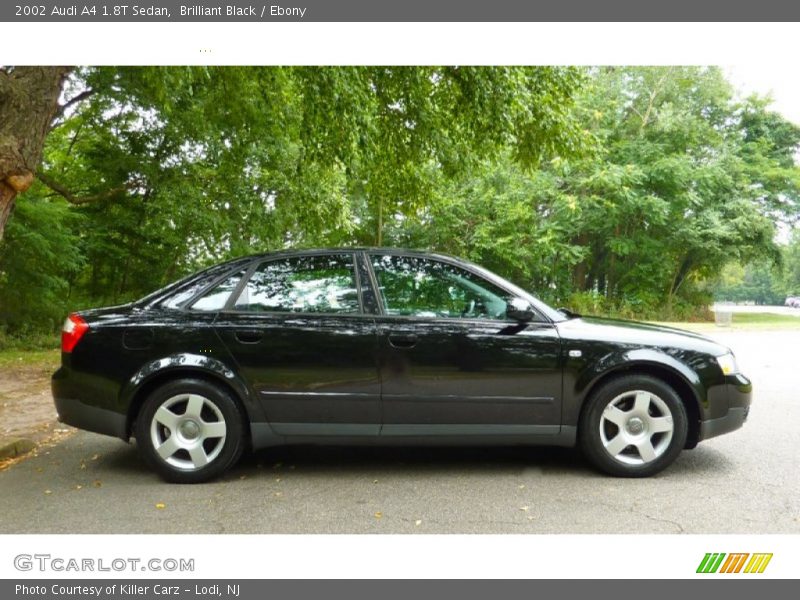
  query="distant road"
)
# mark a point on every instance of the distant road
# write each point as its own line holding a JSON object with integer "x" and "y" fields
{"x": 752, "y": 308}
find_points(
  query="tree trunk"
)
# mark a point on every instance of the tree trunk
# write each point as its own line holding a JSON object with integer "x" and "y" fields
{"x": 28, "y": 105}
{"x": 7, "y": 195}
{"x": 581, "y": 270}
{"x": 379, "y": 228}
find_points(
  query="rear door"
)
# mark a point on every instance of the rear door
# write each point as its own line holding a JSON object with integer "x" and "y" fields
{"x": 298, "y": 331}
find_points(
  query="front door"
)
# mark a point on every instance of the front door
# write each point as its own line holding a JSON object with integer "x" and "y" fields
{"x": 451, "y": 363}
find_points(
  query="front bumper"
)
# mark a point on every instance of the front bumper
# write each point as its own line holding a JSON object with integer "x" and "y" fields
{"x": 739, "y": 391}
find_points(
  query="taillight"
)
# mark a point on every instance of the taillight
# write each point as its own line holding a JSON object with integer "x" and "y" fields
{"x": 71, "y": 334}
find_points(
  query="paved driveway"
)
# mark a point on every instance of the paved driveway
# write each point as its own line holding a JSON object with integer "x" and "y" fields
{"x": 740, "y": 483}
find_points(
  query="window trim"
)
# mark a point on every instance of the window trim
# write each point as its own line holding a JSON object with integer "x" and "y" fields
{"x": 370, "y": 254}
{"x": 230, "y": 305}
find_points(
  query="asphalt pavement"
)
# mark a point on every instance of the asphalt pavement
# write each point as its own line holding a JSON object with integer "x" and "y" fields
{"x": 744, "y": 482}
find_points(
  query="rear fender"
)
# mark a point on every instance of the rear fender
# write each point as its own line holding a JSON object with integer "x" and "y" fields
{"x": 183, "y": 365}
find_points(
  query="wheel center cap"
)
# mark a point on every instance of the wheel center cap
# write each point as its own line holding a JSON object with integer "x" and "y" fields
{"x": 635, "y": 426}
{"x": 190, "y": 430}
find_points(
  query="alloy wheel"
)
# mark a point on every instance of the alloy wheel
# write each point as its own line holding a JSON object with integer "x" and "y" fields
{"x": 636, "y": 427}
{"x": 188, "y": 431}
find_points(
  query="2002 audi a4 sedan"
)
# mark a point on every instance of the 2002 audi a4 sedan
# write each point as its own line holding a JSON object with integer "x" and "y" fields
{"x": 384, "y": 346}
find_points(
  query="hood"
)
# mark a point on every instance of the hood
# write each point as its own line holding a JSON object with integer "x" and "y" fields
{"x": 637, "y": 333}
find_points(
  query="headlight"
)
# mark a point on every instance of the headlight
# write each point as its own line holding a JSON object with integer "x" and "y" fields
{"x": 727, "y": 362}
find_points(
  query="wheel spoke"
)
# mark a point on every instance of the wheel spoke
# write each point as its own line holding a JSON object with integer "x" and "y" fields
{"x": 660, "y": 424}
{"x": 166, "y": 417}
{"x": 194, "y": 406}
{"x": 214, "y": 430}
{"x": 642, "y": 402}
{"x": 169, "y": 447}
{"x": 617, "y": 445}
{"x": 198, "y": 456}
{"x": 615, "y": 415}
{"x": 646, "y": 450}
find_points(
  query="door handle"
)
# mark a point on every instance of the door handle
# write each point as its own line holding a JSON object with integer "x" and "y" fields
{"x": 402, "y": 340}
{"x": 248, "y": 336}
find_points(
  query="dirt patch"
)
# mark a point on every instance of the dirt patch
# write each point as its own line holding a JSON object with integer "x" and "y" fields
{"x": 26, "y": 406}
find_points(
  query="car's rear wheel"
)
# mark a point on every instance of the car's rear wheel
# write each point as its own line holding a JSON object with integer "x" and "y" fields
{"x": 190, "y": 431}
{"x": 633, "y": 426}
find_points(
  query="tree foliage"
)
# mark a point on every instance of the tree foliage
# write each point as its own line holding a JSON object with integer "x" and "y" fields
{"x": 685, "y": 179}
{"x": 613, "y": 189}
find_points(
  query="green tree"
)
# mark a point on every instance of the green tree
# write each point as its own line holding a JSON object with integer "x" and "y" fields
{"x": 172, "y": 168}
{"x": 689, "y": 179}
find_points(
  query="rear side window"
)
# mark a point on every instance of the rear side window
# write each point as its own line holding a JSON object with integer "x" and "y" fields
{"x": 218, "y": 296}
{"x": 307, "y": 284}
{"x": 193, "y": 287}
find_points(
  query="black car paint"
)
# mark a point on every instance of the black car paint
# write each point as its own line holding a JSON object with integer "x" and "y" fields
{"x": 381, "y": 378}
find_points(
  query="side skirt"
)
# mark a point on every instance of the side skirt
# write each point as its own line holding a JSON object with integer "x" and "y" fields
{"x": 263, "y": 435}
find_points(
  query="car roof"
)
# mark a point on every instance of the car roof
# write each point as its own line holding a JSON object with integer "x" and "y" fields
{"x": 366, "y": 249}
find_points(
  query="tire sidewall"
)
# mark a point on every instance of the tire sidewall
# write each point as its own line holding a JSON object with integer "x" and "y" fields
{"x": 589, "y": 427}
{"x": 234, "y": 436}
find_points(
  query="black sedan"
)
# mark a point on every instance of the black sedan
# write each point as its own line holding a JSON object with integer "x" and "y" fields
{"x": 384, "y": 346}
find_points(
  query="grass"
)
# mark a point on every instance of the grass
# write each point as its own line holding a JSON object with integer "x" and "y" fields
{"x": 766, "y": 318}
{"x": 745, "y": 322}
{"x": 29, "y": 358}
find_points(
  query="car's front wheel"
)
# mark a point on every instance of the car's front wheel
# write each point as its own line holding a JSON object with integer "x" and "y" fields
{"x": 190, "y": 431}
{"x": 633, "y": 426}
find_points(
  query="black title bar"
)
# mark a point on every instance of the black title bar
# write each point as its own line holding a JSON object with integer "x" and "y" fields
{"x": 401, "y": 10}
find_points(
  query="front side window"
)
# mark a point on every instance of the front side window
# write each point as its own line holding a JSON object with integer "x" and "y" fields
{"x": 427, "y": 288}
{"x": 308, "y": 284}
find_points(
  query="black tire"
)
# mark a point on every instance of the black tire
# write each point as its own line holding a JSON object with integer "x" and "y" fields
{"x": 202, "y": 422}
{"x": 636, "y": 409}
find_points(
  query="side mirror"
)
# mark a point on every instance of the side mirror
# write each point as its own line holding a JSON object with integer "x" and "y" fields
{"x": 520, "y": 310}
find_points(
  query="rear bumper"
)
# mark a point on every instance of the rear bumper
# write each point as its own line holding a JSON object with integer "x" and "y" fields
{"x": 77, "y": 413}
{"x": 740, "y": 394}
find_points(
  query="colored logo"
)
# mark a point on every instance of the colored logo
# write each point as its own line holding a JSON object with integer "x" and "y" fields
{"x": 734, "y": 563}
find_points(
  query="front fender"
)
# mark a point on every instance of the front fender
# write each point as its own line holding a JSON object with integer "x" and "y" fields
{"x": 588, "y": 374}
{"x": 183, "y": 364}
